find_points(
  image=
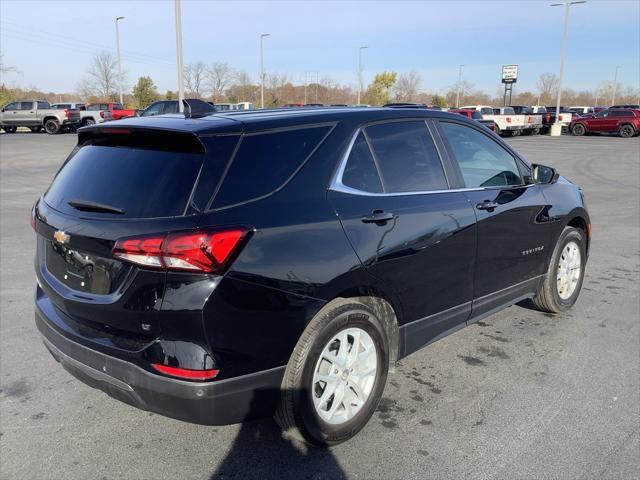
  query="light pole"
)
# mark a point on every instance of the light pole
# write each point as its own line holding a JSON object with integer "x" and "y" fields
{"x": 459, "y": 85}
{"x": 118, "y": 54}
{"x": 178, "y": 16}
{"x": 615, "y": 85}
{"x": 360, "y": 72}
{"x": 556, "y": 128}
{"x": 262, "y": 35}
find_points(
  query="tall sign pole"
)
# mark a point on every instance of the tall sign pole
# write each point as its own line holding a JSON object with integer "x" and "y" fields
{"x": 179, "y": 54}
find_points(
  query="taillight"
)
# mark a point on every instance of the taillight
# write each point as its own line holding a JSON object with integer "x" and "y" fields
{"x": 101, "y": 113}
{"x": 548, "y": 117}
{"x": 195, "y": 251}
{"x": 508, "y": 119}
{"x": 186, "y": 372}
{"x": 66, "y": 113}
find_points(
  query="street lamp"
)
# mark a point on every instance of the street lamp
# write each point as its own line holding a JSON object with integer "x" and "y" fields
{"x": 178, "y": 18}
{"x": 118, "y": 54}
{"x": 556, "y": 128}
{"x": 360, "y": 72}
{"x": 615, "y": 85}
{"x": 262, "y": 35}
{"x": 459, "y": 85}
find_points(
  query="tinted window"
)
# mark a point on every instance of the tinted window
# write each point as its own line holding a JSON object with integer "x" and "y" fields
{"x": 265, "y": 161}
{"x": 104, "y": 106}
{"x": 13, "y": 106}
{"x": 476, "y": 115}
{"x": 542, "y": 110}
{"x": 154, "y": 109}
{"x": 486, "y": 111}
{"x": 43, "y": 105}
{"x": 620, "y": 113}
{"x": 482, "y": 161}
{"x": 170, "y": 107}
{"x": 117, "y": 106}
{"x": 407, "y": 157}
{"x": 144, "y": 183}
{"x": 508, "y": 111}
{"x": 360, "y": 171}
{"x": 26, "y": 105}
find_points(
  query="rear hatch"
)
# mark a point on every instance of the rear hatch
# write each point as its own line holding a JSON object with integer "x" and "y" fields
{"x": 117, "y": 183}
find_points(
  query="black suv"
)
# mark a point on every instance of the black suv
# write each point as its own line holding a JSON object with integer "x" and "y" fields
{"x": 245, "y": 263}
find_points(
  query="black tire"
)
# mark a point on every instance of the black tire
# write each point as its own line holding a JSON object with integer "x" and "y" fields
{"x": 548, "y": 298}
{"x": 37, "y": 129}
{"x": 296, "y": 413}
{"x": 52, "y": 126}
{"x": 535, "y": 131}
{"x": 578, "y": 130}
{"x": 525, "y": 133}
{"x": 627, "y": 131}
{"x": 10, "y": 129}
{"x": 88, "y": 122}
{"x": 497, "y": 131}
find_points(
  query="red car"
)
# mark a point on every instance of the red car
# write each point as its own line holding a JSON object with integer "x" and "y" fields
{"x": 622, "y": 121}
{"x": 112, "y": 111}
{"x": 475, "y": 115}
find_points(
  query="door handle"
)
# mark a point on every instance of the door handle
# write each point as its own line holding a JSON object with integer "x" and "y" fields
{"x": 487, "y": 205}
{"x": 378, "y": 216}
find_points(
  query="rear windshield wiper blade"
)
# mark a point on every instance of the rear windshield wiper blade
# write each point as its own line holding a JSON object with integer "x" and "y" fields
{"x": 89, "y": 206}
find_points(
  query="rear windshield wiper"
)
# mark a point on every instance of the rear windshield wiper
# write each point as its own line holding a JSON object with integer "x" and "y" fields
{"x": 89, "y": 206}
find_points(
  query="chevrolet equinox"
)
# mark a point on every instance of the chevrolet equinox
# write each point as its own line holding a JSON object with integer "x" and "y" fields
{"x": 243, "y": 264}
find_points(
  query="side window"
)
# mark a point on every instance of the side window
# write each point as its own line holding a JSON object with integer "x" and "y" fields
{"x": 407, "y": 157}
{"x": 104, "y": 106}
{"x": 170, "y": 107}
{"x": 483, "y": 162}
{"x": 265, "y": 161}
{"x": 487, "y": 111}
{"x": 117, "y": 106}
{"x": 43, "y": 105}
{"x": 26, "y": 105}
{"x": 360, "y": 171}
{"x": 154, "y": 109}
{"x": 13, "y": 106}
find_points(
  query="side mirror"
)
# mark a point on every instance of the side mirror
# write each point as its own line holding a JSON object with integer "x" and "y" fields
{"x": 543, "y": 174}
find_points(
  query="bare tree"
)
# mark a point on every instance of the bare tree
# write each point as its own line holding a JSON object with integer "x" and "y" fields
{"x": 407, "y": 86}
{"x": 547, "y": 87}
{"x": 102, "y": 78}
{"x": 219, "y": 78}
{"x": 242, "y": 89}
{"x": 275, "y": 83}
{"x": 194, "y": 79}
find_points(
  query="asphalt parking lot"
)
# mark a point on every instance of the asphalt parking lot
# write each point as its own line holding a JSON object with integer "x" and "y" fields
{"x": 519, "y": 395}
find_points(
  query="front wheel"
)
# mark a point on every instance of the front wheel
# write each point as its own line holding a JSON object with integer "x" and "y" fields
{"x": 563, "y": 281}
{"x": 52, "y": 126}
{"x": 336, "y": 375}
{"x": 627, "y": 131}
{"x": 10, "y": 129}
{"x": 578, "y": 130}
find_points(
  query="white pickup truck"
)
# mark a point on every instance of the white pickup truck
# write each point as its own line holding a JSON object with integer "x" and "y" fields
{"x": 87, "y": 117}
{"x": 533, "y": 121}
{"x": 506, "y": 124}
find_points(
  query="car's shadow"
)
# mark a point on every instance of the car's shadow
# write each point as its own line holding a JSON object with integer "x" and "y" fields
{"x": 261, "y": 450}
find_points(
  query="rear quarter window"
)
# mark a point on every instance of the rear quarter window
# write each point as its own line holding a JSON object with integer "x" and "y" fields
{"x": 265, "y": 161}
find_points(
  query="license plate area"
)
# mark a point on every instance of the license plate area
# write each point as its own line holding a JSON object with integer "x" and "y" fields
{"x": 83, "y": 271}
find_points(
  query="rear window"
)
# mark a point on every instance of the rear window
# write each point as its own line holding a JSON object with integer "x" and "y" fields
{"x": 264, "y": 162}
{"x": 144, "y": 182}
{"x": 508, "y": 111}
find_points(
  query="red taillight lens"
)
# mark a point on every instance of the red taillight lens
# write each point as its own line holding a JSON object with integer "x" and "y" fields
{"x": 200, "y": 251}
{"x": 66, "y": 113}
{"x": 185, "y": 372}
{"x": 548, "y": 117}
{"x": 508, "y": 119}
{"x": 101, "y": 113}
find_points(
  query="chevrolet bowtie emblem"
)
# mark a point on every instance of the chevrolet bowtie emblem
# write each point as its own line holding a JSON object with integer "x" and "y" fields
{"x": 61, "y": 237}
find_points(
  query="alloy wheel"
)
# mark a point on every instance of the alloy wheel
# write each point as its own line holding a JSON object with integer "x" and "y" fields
{"x": 344, "y": 375}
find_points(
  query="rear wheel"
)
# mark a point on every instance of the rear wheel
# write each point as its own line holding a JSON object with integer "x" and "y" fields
{"x": 563, "y": 281}
{"x": 627, "y": 131}
{"x": 578, "y": 130}
{"x": 52, "y": 126}
{"x": 336, "y": 375}
{"x": 88, "y": 122}
{"x": 37, "y": 129}
{"x": 535, "y": 131}
{"x": 497, "y": 130}
{"x": 10, "y": 129}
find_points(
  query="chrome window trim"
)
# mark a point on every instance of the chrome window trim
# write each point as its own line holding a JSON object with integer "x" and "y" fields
{"x": 337, "y": 185}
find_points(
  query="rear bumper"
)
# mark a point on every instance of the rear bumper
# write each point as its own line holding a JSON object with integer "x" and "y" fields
{"x": 220, "y": 402}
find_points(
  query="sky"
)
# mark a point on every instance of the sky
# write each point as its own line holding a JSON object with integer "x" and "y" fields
{"x": 51, "y": 43}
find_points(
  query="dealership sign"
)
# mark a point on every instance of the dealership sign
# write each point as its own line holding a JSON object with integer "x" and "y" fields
{"x": 509, "y": 73}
